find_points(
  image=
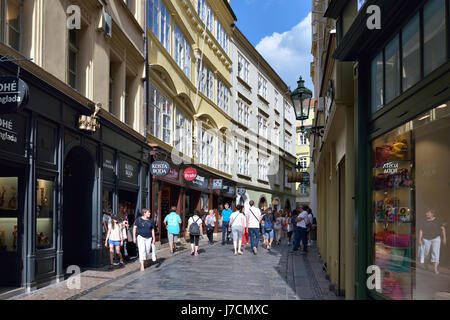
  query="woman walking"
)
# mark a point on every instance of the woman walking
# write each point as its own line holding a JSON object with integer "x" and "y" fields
{"x": 238, "y": 222}
{"x": 278, "y": 227}
{"x": 195, "y": 229}
{"x": 210, "y": 224}
{"x": 431, "y": 233}
{"x": 290, "y": 227}
{"x": 144, "y": 236}
{"x": 114, "y": 239}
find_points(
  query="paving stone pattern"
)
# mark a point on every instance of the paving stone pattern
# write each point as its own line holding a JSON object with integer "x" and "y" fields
{"x": 215, "y": 274}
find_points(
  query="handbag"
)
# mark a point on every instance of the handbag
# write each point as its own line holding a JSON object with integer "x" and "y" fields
{"x": 391, "y": 287}
{"x": 153, "y": 252}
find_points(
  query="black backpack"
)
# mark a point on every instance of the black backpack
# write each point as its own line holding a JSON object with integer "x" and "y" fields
{"x": 194, "y": 229}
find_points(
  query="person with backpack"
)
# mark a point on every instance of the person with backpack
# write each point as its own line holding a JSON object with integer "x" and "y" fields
{"x": 268, "y": 225}
{"x": 238, "y": 222}
{"x": 195, "y": 229}
{"x": 253, "y": 222}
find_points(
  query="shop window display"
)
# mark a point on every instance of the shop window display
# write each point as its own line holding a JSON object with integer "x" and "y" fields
{"x": 410, "y": 207}
{"x": 8, "y": 214}
{"x": 44, "y": 213}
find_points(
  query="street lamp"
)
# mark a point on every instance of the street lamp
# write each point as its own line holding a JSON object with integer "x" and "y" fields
{"x": 301, "y": 99}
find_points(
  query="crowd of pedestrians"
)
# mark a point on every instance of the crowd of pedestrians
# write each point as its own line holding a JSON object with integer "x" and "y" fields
{"x": 246, "y": 226}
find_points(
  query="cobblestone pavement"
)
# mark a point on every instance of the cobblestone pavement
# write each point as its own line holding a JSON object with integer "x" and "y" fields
{"x": 215, "y": 274}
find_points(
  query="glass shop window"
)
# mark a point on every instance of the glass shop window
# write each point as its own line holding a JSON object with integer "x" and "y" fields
{"x": 8, "y": 214}
{"x": 44, "y": 213}
{"x": 392, "y": 69}
{"x": 377, "y": 75}
{"x": 410, "y": 207}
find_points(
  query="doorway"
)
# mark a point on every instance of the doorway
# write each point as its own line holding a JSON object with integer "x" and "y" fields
{"x": 78, "y": 237}
{"x": 341, "y": 231}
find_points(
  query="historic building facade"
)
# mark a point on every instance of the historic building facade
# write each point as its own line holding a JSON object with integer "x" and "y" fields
{"x": 263, "y": 129}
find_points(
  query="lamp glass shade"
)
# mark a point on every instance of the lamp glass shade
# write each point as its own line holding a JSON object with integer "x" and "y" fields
{"x": 301, "y": 98}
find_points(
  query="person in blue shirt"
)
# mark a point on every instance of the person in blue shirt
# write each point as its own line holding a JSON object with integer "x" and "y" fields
{"x": 172, "y": 222}
{"x": 226, "y": 214}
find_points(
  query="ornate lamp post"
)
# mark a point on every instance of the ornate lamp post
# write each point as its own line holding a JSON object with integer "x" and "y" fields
{"x": 301, "y": 99}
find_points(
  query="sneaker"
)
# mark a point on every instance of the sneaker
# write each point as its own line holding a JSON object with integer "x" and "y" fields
{"x": 192, "y": 252}
{"x": 255, "y": 250}
{"x": 171, "y": 252}
{"x": 269, "y": 247}
{"x": 196, "y": 254}
{"x": 121, "y": 265}
{"x": 110, "y": 267}
{"x": 309, "y": 244}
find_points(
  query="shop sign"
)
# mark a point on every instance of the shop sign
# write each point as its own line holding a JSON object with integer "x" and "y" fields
{"x": 241, "y": 191}
{"x": 305, "y": 178}
{"x": 14, "y": 94}
{"x": 201, "y": 182}
{"x": 217, "y": 184}
{"x": 108, "y": 165}
{"x": 228, "y": 189}
{"x": 129, "y": 171}
{"x": 190, "y": 174}
{"x": 12, "y": 133}
{"x": 160, "y": 169}
{"x": 390, "y": 167}
{"x": 172, "y": 175}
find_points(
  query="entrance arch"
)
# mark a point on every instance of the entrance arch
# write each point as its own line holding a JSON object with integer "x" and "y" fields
{"x": 78, "y": 198}
{"x": 288, "y": 204}
{"x": 262, "y": 203}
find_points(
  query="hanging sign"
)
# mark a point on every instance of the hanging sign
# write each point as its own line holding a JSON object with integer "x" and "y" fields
{"x": 190, "y": 174}
{"x": 160, "y": 169}
{"x": 217, "y": 184}
{"x": 241, "y": 191}
{"x": 14, "y": 94}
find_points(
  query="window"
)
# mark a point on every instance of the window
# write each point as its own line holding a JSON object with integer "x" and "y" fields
{"x": 410, "y": 205}
{"x": 377, "y": 76}
{"x": 262, "y": 86}
{"x": 182, "y": 52}
{"x": 222, "y": 36}
{"x": 243, "y": 162}
{"x": 303, "y": 162}
{"x": 286, "y": 177}
{"x": 206, "y": 14}
{"x": 183, "y": 133}
{"x": 277, "y": 135}
{"x": 205, "y": 80}
{"x": 287, "y": 142}
{"x": 223, "y": 96}
{"x": 159, "y": 22}
{"x": 160, "y": 116}
{"x": 262, "y": 168}
{"x": 243, "y": 112}
{"x": 262, "y": 126}
{"x": 434, "y": 35}
{"x": 243, "y": 68}
{"x": 224, "y": 157}
{"x": 276, "y": 99}
{"x": 304, "y": 190}
{"x": 44, "y": 213}
{"x": 302, "y": 139}
{"x": 385, "y": 67}
{"x": 111, "y": 90}
{"x": 411, "y": 53}
{"x": 207, "y": 149}
{"x": 392, "y": 69}
{"x": 73, "y": 57}
{"x": 11, "y": 16}
{"x": 9, "y": 213}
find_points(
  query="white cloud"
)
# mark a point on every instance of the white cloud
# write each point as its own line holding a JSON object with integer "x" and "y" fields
{"x": 289, "y": 53}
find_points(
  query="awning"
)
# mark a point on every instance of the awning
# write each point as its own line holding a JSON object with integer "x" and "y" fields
{"x": 295, "y": 176}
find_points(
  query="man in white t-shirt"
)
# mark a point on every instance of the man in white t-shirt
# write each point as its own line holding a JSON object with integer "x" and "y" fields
{"x": 253, "y": 215}
{"x": 301, "y": 230}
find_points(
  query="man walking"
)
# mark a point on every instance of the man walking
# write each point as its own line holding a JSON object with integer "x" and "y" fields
{"x": 172, "y": 223}
{"x": 301, "y": 230}
{"x": 145, "y": 229}
{"x": 226, "y": 214}
{"x": 253, "y": 222}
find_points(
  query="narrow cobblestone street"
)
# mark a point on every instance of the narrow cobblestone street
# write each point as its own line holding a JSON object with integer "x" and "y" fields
{"x": 216, "y": 274}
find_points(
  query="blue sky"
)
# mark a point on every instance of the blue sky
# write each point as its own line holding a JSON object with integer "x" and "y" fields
{"x": 281, "y": 31}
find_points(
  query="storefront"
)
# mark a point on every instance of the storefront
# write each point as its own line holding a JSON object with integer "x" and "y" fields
{"x": 402, "y": 161}
{"x": 55, "y": 182}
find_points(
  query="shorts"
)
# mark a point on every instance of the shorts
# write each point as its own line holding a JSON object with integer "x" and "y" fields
{"x": 114, "y": 243}
{"x": 172, "y": 237}
{"x": 268, "y": 235}
{"x": 237, "y": 233}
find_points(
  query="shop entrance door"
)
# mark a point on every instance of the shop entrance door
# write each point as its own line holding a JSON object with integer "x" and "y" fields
{"x": 78, "y": 237}
{"x": 12, "y": 199}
